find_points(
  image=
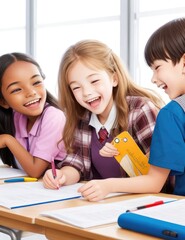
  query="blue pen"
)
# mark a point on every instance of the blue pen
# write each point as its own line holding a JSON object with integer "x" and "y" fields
{"x": 23, "y": 179}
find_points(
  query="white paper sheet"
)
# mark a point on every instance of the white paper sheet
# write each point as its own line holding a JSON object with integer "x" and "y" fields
{"x": 7, "y": 172}
{"x": 33, "y": 193}
{"x": 173, "y": 212}
{"x": 99, "y": 213}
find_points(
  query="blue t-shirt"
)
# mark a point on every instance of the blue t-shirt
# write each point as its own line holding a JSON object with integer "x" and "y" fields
{"x": 168, "y": 143}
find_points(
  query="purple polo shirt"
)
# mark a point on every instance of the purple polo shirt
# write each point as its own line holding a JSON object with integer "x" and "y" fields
{"x": 42, "y": 139}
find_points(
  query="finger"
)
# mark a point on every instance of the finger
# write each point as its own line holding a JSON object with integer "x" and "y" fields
{"x": 62, "y": 180}
{"x": 108, "y": 153}
{"x": 49, "y": 185}
{"x": 94, "y": 196}
{"x": 112, "y": 152}
{"x": 49, "y": 182}
{"x": 85, "y": 186}
{"x": 109, "y": 146}
{"x": 95, "y": 199}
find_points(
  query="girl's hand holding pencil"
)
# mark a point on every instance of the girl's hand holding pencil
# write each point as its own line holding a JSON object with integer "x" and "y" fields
{"x": 53, "y": 179}
{"x": 53, "y": 168}
{"x": 56, "y": 178}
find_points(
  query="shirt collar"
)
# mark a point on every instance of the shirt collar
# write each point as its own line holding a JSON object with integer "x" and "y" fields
{"x": 181, "y": 101}
{"x": 94, "y": 122}
{"x": 22, "y": 124}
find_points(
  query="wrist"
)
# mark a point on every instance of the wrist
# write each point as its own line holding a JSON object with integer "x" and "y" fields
{"x": 110, "y": 185}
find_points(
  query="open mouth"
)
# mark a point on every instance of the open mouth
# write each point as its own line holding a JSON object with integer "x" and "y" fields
{"x": 32, "y": 102}
{"x": 94, "y": 102}
{"x": 162, "y": 86}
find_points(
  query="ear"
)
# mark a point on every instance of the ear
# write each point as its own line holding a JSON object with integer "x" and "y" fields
{"x": 115, "y": 80}
{"x": 183, "y": 59}
{"x": 4, "y": 104}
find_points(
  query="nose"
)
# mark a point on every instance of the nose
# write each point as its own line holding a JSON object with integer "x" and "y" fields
{"x": 30, "y": 93}
{"x": 87, "y": 90}
{"x": 153, "y": 79}
{"x": 86, "y": 93}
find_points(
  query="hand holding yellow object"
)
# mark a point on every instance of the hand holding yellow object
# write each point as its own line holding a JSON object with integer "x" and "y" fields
{"x": 131, "y": 158}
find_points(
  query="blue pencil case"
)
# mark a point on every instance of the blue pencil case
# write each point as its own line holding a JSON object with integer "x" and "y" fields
{"x": 146, "y": 225}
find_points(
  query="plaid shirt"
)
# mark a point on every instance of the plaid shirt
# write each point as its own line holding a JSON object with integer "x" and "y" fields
{"x": 142, "y": 118}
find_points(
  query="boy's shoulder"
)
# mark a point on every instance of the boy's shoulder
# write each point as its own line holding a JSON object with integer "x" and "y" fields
{"x": 176, "y": 106}
{"x": 181, "y": 101}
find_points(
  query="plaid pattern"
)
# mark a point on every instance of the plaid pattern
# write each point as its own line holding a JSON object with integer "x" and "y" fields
{"x": 142, "y": 117}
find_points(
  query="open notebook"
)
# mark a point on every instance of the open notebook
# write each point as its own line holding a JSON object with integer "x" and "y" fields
{"x": 33, "y": 193}
{"x": 98, "y": 213}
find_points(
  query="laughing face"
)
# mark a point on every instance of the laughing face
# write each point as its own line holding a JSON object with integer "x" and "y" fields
{"x": 23, "y": 89}
{"x": 169, "y": 77}
{"x": 92, "y": 89}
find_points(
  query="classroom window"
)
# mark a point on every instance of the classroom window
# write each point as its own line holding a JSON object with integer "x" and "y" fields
{"x": 46, "y": 28}
{"x": 149, "y": 15}
{"x": 12, "y": 26}
{"x": 68, "y": 22}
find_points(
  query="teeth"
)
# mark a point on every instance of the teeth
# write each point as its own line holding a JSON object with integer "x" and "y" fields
{"x": 162, "y": 86}
{"x": 93, "y": 99}
{"x": 34, "y": 101}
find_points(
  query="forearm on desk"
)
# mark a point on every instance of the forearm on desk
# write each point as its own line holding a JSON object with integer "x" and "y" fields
{"x": 150, "y": 183}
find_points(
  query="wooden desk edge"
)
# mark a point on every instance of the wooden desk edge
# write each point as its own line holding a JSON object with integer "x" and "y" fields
{"x": 54, "y": 228}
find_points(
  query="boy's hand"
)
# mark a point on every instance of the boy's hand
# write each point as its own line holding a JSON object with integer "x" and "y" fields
{"x": 108, "y": 150}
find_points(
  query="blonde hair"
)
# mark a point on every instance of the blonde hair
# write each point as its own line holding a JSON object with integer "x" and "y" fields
{"x": 98, "y": 55}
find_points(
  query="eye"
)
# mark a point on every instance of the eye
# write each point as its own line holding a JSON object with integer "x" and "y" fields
{"x": 157, "y": 67}
{"x": 38, "y": 82}
{"x": 15, "y": 90}
{"x": 95, "y": 81}
{"x": 75, "y": 88}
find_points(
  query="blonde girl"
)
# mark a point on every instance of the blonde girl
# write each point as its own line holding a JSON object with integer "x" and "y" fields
{"x": 96, "y": 91}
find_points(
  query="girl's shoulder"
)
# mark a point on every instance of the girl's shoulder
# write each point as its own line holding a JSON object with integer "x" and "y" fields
{"x": 138, "y": 102}
{"x": 52, "y": 111}
{"x": 18, "y": 116}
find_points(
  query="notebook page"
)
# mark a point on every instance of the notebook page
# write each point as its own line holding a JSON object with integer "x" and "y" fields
{"x": 7, "y": 172}
{"x": 98, "y": 213}
{"x": 33, "y": 193}
{"x": 173, "y": 212}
